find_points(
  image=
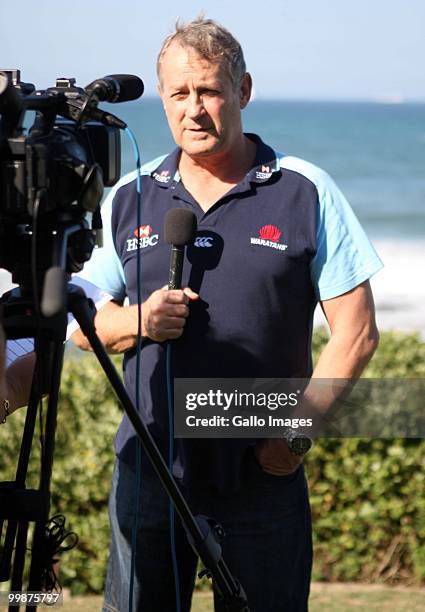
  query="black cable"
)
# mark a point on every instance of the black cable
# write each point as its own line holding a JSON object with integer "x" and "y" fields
{"x": 56, "y": 541}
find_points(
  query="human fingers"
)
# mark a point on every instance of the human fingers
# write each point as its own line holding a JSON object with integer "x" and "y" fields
{"x": 163, "y": 307}
{"x": 179, "y": 295}
{"x": 190, "y": 294}
{"x": 169, "y": 328}
{"x": 165, "y": 313}
{"x": 174, "y": 296}
{"x": 274, "y": 456}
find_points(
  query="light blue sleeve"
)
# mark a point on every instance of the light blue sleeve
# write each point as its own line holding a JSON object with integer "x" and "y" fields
{"x": 344, "y": 257}
{"x": 104, "y": 269}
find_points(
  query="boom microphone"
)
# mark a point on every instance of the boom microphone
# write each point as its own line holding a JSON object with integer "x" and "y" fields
{"x": 117, "y": 88}
{"x": 180, "y": 227}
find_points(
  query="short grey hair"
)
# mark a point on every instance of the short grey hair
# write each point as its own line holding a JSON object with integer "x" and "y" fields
{"x": 212, "y": 41}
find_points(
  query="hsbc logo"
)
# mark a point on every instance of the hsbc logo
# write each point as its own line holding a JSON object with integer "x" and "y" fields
{"x": 163, "y": 176}
{"x": 263, "y": 174}
{"x": 143, "y": 231}
{"x": 144, "y": 238}
{"x": 203, "y": 241}
{"x": 141, "y": 243}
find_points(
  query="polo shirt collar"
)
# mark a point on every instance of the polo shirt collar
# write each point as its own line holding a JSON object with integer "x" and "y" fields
{"x": 265, "y": 165}
{"x": 167, "y": 172}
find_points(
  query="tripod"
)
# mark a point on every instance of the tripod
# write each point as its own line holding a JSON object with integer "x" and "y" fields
{"x": 20, "y": 506}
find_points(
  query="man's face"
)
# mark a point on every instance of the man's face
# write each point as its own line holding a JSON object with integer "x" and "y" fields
{"x": 202, "y": 106}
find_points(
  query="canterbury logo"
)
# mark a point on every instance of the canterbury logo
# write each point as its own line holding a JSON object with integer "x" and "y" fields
{"x": 203, "y": 241}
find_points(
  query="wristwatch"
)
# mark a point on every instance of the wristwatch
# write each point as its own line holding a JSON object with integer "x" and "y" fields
{"x": 298, "y": 443}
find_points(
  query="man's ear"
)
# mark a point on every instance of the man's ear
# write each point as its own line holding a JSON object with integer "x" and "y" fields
{"x": 245, "y": 90}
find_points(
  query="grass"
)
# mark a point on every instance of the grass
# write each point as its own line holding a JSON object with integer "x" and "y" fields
{"x": 324, "y": 597}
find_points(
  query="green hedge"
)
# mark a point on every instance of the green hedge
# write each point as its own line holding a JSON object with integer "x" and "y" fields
{"x": 88, "y": 418}
{"x": 367, "y": 496}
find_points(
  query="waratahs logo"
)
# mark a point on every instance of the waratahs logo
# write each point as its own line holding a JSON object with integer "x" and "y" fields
{"x": 270, "y": 232}
{"x": 269, "y": 237}
{"x": 144, "y": 238}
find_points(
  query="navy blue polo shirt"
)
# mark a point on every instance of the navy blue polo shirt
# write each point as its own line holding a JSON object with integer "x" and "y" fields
{"x": 262, "y": 256}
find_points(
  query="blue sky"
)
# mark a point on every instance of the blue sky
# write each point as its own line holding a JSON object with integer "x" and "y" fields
{"x": 308, "y": 49}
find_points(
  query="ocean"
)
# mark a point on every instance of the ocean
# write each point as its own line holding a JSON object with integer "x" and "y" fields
{"x": 376, "y": 154}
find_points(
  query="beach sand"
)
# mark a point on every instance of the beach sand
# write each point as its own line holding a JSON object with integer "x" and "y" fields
{"x": 399, "y": 288}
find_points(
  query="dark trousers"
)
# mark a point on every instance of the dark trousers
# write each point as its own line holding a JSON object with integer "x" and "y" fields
{"x": 267, "y": 545}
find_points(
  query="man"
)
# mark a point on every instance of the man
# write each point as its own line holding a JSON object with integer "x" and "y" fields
{"x": 281, "y": 238}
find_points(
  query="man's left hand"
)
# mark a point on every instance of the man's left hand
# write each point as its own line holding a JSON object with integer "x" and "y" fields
{"x": 275, "y": 457}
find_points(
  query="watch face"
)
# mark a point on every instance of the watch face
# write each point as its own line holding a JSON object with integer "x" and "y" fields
{"x": 301, "y": 445}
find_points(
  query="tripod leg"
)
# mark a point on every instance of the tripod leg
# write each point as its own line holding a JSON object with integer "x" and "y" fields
{"x": 200, "y": 535}
{"x": 7, "y": 552}
{"x": 21, "y": 474}
{"x": 19, "y": 560}
{"x": 38, "y": 561}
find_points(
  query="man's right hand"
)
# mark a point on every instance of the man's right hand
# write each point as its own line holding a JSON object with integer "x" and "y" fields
{"x": 165, "y": 312}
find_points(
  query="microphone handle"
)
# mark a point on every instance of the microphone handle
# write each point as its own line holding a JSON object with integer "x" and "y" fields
{"x": 176, "y": 267}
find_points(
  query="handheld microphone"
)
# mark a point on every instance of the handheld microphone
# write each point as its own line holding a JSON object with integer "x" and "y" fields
{"x": 117, "y": 88}
{"x": 180, "y": 227}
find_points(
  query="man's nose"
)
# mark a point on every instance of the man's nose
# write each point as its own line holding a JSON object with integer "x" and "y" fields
{"x": 195, "y": 106}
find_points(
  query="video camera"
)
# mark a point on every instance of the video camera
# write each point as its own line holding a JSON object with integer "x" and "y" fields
{"x": 52, "y": 175}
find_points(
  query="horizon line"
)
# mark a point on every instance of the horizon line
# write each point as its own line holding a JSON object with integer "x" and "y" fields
{"x": 387, "y": 101}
